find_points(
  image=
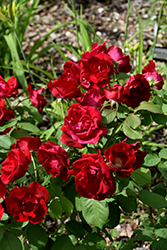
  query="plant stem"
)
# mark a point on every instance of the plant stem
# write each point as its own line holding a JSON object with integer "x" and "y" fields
{"x": 35, "y": 169}
{"x": 127, "y": 21}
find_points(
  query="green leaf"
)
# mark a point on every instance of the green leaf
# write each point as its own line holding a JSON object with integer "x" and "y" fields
{"x": 152, "y": 199}
{"x": 129, "y": 132}
{"x": 5, "y": 142}
{"x": 160, "y": 118}
{"x": 67, "y": 205}
{"x": 1, "y": 234}
{"x": 54, "y": 188}
{"x": 95, "y": 212}
{"x": 63, "y": 242}
{"x": 153, "y": 108}
{"x": 37, "y": 235}
{"x": 28, "y": 126}
{"x": 133, "y": 121}
{"x": 162, "y": 167}
{"x": 114, "y": 215}
{"x": 144, "y": 234}
{"x": 141, "y": 176}
{"x": 163, "y": 153}
{"x": 75, "y": 227}
{"x": 128, "y": 204}
{"x": 108, "y": 115}
{"x": 160, "y": 244}
{"x": 94, "y": 241}
{"x": 10, "y": 242}
{"x": 10, "y": 123}
{"x": 161, "y": 233}
{"x": 55, "y": 210}
{"x": 151, "y": 160}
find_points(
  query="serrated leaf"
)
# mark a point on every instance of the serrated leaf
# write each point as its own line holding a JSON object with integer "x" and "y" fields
{"x": 67, "y": 205}
{"x": 163, "y": 153}
{"x": 159, "y": 245}
{"x": 141, "y": 176}
{"x": 94, "y": 241}
{"x": 95, "y": 212}
{"x": 144, "y": 234}
{"x": 55, "y": 210}
{"x": 162, "y": 167}
{"x": 133, "y": 121}
{"x": 128, "y": 204}
{"x": 10, "y": 242}
{"x": 108, "y": 115}
{"x": 151, "y": 160}
{"x": 152, "y": 199}
{"x": 130, "y": 133}
{"x": 37, "y": 235}
{"x": 63, "y": 242}
{"x": 153, "y": 108}
{"x": 5, "y": 142}
{"x": 161, "y": 233}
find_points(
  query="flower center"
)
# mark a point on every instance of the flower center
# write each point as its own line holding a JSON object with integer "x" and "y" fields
{"x": 117, "y": 163}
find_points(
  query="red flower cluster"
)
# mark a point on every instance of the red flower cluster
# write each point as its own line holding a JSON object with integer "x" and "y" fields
{"x": 9, "y": 88}
{"x": 28, "y": 203}
{"x": 54, "y": 159}
{"x": 82, "y": 126}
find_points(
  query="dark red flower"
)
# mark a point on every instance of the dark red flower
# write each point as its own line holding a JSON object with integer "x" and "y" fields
{"x": 124, "y": 158}
{"x": 2, "y": 102}
{"x": 64, "y": 89}
{"x": 28, "y": 203}
{"x": 54, "y": 159}
{"x": 9, "y": 88}
{"x": 82, "y": 126}
{"x": 30, "y": 142}
{"x": 2, "y": 189}
{"x": 94, "y": 97}
{"x": 37, "y": 98}
{"x": 114, "y": 93}
{"x": 93, "y": 178}
{"x": 15, "y": 165}
{"x": 136, "y": 90}
{"x": 150, "y": 73}
{"x": 5, "y": 115}
{"x": 123, "y": 61}
{"x": 71, "y": 72}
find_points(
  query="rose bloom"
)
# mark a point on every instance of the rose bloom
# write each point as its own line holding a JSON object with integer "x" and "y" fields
{"x": 82, "y": 126}
{"x": 15, "y": 165}
{"x": 93, "y": 178}
{"x": 71, "y": 72}
{"x": 124, "y": 158}
{"x": 54, "y": 159}
{"x": 28, "y": 203}
{"x": 2, "y": 102}
{"x": 1, "y": 211}
{"x": 2, "y": 189}
{"x": 136, "y": 90}
{"x": 5, "y": 115}
{"x": 64, "y": 89}
{"x": 94, "y": 97}
{"x": 97, "y": 70}
{"x": 37, "y": 98}
{"x": 150, "y": 73}
{"x": 9, "y": 88}
{"x": 30, "y": 142}
{"x": 114, "y": 93}
{"x": 122, "y": 61}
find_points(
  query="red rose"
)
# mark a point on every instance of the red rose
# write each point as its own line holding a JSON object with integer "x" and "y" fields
{"x": 30, "y": 142}
{"x": 2, "y": 102}
{"x": 64, "y": 89}
{"x": 123, "y": 62}
{"x": 54, "y": 159}
{"x": 136, "y": 90}
{"x": 94, "y": 97}
{"x": 9, "y": 88}
{"x": 82, "y": 126}
{"x": 150, "y": 73}
{"x": 1, "y": 211}
{"x": 28, "y": 203}
{"x": 124, "y": 158}
{"x": 71, "y": 72}
{"x": 92, "y": 177}
{"x": 114, "y": 93}
{"x": 5, "y": 115}
{"x": 95, "y": 50}
{"x": 36, "y": 98}
{"x": 2, "y": 189}
{"x": 98, "y": 69}
{"x": 15, "y": 165}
